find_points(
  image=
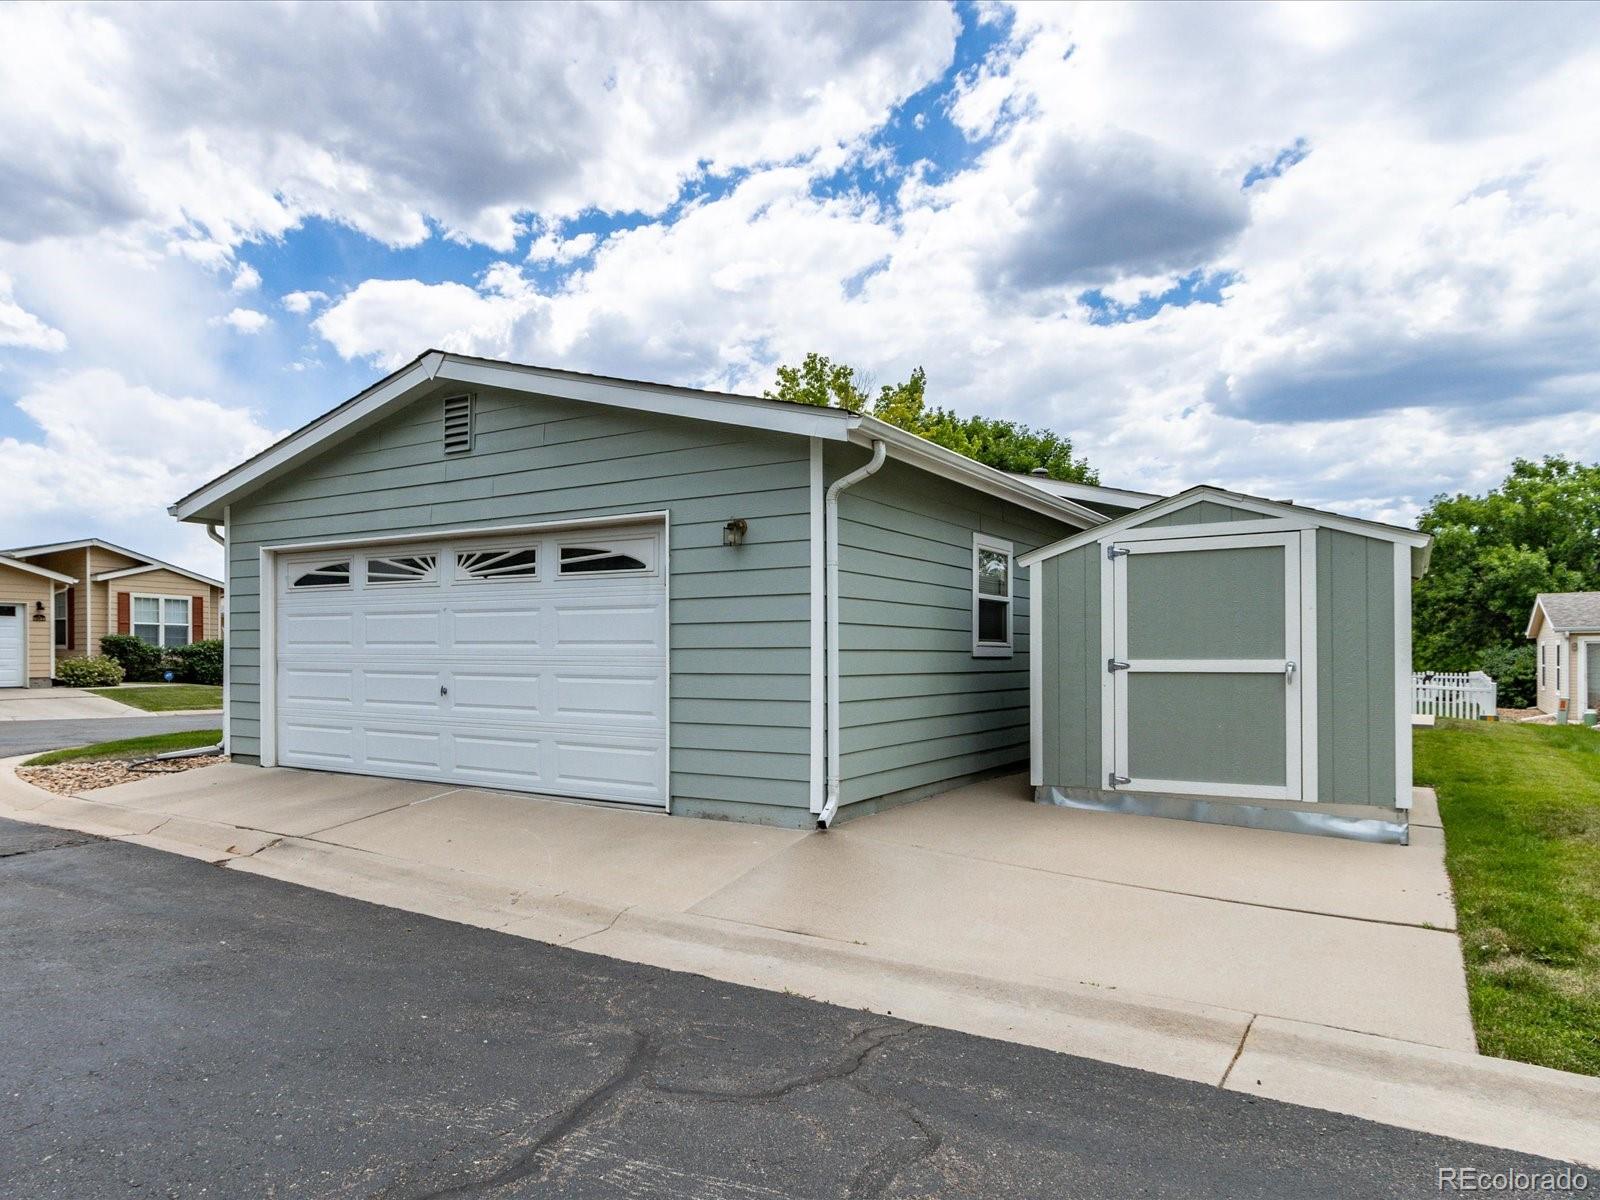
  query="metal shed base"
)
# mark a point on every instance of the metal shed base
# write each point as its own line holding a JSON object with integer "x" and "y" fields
{"x": 1321, "y": 820}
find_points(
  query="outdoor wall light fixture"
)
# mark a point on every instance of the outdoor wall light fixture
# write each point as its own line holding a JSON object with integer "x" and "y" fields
{"x": 733, "y": 532}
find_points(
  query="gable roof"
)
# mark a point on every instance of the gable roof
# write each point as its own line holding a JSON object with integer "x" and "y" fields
{"x": 128, "y": 572}
{"x": 1419, "y": 542}
{"x": 1565, "y": 612}
{"x": 16, "y": 564}
{"x": 152, "y": 564}
{"x": 423, "y": 373}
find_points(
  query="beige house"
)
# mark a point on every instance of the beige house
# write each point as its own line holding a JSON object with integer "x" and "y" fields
{"x": 57, "y": 601}
{"x": 1566, "y": 630}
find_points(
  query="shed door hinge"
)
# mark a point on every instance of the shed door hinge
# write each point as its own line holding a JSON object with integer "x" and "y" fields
{"x": 1115, "y": 664}
{"x": 1117, "y": 551}
{"x": 1113, "y": 779}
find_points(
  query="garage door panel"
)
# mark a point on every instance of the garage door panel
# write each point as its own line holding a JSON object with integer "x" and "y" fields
{"x": 400, "y": 631}
{"x": 501, "y": 759}
{"x": 551, "y": 684}
{"x": 305, "y": 630}
{"x": 611, "y": 628}
{"x": 619, "y": 695}
{"x": 607, "y": 767}
{"x": 409, "y": 692}
{"x": 495, "y": 695}
{"x": 317, "y": 685}
{"x": 403, "y": 749}
{"x": 305, "y": 743}
{"x": 496, "y": 629}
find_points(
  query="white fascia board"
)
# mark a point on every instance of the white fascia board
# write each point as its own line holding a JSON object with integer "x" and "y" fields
{"x": 749, "y": 412}
{"x": 1533, "y": 618}
{"x": 104, "y": 576}
{"x": 16, "y": 564}
{"x": 1420, "y": 543}
{"x": 921, "y": 453}
{"x": 1090, "y": 492}
{"x": 341, "y": 422}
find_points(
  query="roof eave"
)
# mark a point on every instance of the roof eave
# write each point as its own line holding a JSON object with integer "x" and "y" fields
{"x": 919, "y": 452}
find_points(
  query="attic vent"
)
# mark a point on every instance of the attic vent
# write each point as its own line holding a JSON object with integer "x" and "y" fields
{"x": 457, "y": 424}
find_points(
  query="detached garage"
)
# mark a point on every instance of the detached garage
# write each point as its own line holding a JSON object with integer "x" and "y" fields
{"x": 1225, "y": 658}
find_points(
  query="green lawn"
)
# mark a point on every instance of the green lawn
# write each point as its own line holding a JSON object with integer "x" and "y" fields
{"x": 1521, "y": 809}
{"x": 165, "y": 697}
{"x": 139, "y": 747}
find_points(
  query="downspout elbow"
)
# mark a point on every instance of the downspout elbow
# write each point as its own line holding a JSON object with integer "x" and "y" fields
{"x": 830, "y": 803}
{"x": 211, "y": 532}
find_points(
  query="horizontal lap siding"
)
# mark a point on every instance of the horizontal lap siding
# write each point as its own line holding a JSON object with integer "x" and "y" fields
{"x": 916, "y": 707}
{"x": 739, "y": 615}
{"x": 27, "y": 590}
{"x": 1073, "y": 672}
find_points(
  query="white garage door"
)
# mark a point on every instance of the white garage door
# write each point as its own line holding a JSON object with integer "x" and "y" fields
{"x": 537, "y": 663}
{"x": 13, "y": 645}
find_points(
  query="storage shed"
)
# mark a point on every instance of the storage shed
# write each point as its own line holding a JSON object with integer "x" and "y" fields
{"x": 1225, "y": 658}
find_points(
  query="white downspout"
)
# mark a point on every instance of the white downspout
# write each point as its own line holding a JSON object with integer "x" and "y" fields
{"x": 830, "y": 804}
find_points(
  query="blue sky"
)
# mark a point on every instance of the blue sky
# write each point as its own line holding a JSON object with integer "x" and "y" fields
{"x": 1339, "y": 253}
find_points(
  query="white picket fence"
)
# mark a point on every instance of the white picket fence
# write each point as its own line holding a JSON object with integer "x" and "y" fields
{"x": 1453, "y": 694}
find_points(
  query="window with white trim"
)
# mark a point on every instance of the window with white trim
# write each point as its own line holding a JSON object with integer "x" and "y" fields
{"x": 1542, "y": 648}
{"x": 61, "y": 619}
{"x": 161, "y": 620}
{"x": 327, "y": 575}
{"x": 1558, "y": 668}
{"x": 992, "y": 624}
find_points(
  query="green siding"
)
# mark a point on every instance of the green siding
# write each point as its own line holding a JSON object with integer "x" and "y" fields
{"x": 916, "y": 708}
{"x": 1355, "y": 680}
{"x": 739, "y": 616}
{"x": 1073, "y": 672}
{"x": 1204, "y": 513}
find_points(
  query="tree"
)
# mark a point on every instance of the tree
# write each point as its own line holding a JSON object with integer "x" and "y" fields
{"x": 1004, "y": 445}
{"x": 1539, "y": 531}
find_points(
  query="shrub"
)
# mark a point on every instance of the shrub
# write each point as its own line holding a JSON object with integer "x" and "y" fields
{"x": 98, "y": 671}
{"x": 141, "y": 662}
{"x": 198, "y": 662}
{"x": 1512, "y": 668}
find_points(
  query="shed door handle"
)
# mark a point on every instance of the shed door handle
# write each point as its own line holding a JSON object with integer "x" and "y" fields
{"x": 1288, "y": 670}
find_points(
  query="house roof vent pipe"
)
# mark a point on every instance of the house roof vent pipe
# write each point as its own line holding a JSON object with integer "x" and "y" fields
{"x": 830, "y": 804}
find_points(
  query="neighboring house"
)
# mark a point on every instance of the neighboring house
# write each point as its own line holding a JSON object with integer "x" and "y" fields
{"x": 497, "y": 575}
{"x": 77, "y": 592}
{"x": 1565, "y": 627}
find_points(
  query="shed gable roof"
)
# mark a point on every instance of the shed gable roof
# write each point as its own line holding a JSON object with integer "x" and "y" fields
{"x": 1274, "y": 510}
{"x": 425, "y": 373}
{"x": 1567, "y": 612}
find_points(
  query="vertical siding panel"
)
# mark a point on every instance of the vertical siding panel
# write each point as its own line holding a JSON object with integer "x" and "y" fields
{"x": 1328, "y": 762}
{"x": 1072, "y": 668}
{"x": 1380, "y": 715}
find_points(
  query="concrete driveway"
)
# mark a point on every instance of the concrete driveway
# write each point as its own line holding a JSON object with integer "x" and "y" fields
{"x": 56, "y": 704}
{"x": 166, "y": 1022}
{"x": 1276, "y": 963}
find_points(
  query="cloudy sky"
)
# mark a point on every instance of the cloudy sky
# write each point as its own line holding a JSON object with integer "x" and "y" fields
{"x": 1348, "y": 255}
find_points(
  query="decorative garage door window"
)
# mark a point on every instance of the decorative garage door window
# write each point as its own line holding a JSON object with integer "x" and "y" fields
{"x": 404, "y": 568}
{"x": 334, "y": 574}
{"x": 595, "y": 560}
{"x": 513, "y": 563}
{"x": 161, "y": 620}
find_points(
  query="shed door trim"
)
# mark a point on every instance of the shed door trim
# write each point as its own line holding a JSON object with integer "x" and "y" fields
{"x": 1299, "y": 647}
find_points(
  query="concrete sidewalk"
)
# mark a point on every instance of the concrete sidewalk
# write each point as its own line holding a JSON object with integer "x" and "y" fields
{"x": 1307, "y": 969}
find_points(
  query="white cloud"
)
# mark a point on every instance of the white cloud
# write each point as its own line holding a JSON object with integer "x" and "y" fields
{"x": 244, "y": 320}
{"x": 111, "y": 456}
{"x": 552, "y": 248}
{"x": 238, "y": 123}
{"x": 19, "y": 327}
{"x": 302, "y": 302}
{"x": 246, "y": 278}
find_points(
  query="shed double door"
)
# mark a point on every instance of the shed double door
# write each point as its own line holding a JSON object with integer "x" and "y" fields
{"x": 1206, "y": 669}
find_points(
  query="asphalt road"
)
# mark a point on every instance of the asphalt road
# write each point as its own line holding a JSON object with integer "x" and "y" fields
{"x": 173, "y": 1029}
{"x": 34, "y": 737}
